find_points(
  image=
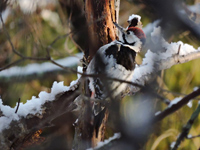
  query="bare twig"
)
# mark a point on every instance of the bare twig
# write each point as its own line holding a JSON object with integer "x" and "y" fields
{"x": 175, "y": 93}
{"x": 65, "y": 68}
{"x": 18, "y": 105}
{"x": 11, "y": 64}
{"x": 187, "y": 128}
{"x": 179, "y": 48}
{"x": 9, "y": 39}
{"x": 191, "y": 137}
{"x": 176, "y": 106}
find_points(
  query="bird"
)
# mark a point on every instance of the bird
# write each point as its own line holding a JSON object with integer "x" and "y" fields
{"x": 115, "y": 61}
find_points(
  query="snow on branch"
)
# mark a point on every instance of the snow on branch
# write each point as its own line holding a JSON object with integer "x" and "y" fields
{"x": 34, "y": 105}
{"x": 106, "y": 142}
{"x": 186, "y": 129}
{"x": 37, "y": 68}
{"x": 175, "y": 105}
{"x": 166, "y": 55}
{"x": 40, "y": 110}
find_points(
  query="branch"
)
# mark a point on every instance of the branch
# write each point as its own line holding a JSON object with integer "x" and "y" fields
{"x": 107, "y": 144}
{"x": 145, "y": 73}
{"x": 13, "y": 48}
{"x": 186, "y": 128}
{"x": 176, "y": 106}
{"x": 175, "y": 53}
{"x": 35, "y": 68}
{"x": 35, "y": 114}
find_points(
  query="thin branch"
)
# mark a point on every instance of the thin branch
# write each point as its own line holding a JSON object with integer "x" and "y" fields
{"x": 65, "y": 68}
{"x": 186, "y": 128}
{"x": 9, "y": 39}
{"x": 76, "y": 44}
{"x": 58, "y": 38}
{"x": 191, "y": 137}
{"x": 175, "y": 93}
{"x": 175, "y": 107}
{"x": 18, "y": 105}
{"x": 11, "y": 64}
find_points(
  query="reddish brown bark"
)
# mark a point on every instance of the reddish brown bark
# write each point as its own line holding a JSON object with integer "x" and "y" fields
{"x": 100, "y": 16}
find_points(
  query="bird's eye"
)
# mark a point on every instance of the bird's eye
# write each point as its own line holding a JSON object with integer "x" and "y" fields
{"x": 128, "y": 32}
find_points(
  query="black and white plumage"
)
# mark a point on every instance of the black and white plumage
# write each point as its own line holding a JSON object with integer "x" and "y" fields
{"x": 114, "y": 60}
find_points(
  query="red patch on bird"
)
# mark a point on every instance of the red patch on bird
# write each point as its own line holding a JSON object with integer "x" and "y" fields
{"x": 138, "y": 32}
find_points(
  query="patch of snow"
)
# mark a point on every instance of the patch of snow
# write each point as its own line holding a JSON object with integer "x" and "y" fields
{"x": 156, "y": 35}
{"x": 36, "y": 68}
{"x": 174, "y": 102}
{"x": 8, "y": 111}
{"x": 149, "y": 27}
{"x": 172, "y": 144}
{"x": 195, "y": 88}
{"x": 5, "y": 121}
{"x": 32, "y": 106}
{"x": 105, "y": 142}
{"x": 189, "y": 104}
{"x": 134, "y": 16}
{"x": 157, "y": 113}
{"x": 186, "y": 48}
{"x": 151, "y": 58}
{"x": 195, "y": 8}
{"x": 79, "y": 70}
{"x": 5, "y": 15}
{"x": 189, "y": 136}
{"x": 171, "y": 48}
{"x": 9, "y": 115}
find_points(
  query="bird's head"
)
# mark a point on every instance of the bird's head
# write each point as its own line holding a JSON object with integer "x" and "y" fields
{"x": 134, "y": 37}
{"x": 136, "y": 31}
{"x": 134, "y": 21}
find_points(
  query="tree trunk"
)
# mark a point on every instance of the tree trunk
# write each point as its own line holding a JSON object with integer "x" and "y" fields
{"x": 100, "y": 16}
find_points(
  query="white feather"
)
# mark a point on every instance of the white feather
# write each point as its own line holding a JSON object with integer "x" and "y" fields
{"x": 113, "y": 70}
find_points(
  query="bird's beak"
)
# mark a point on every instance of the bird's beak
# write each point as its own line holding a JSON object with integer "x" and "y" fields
{"x": 121, "y": 29}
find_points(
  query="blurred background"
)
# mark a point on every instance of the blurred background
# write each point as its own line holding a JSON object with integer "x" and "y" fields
{"x": 33, "y": 27}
